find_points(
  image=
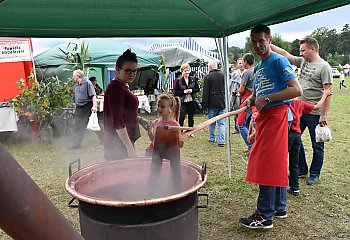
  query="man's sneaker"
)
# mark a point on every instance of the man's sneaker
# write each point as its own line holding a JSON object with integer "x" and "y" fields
{"x": 293, "y": 192}
{"x": 280, "y": 214}
{"x": 257, "y": 220}
{"x": 313, "y": 180}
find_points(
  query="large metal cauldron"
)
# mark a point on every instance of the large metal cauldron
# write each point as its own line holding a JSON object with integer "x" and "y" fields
{"x": 119, "y": 200}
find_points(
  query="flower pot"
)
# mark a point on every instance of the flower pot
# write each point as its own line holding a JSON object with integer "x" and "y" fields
{"x": 46, "y": 134}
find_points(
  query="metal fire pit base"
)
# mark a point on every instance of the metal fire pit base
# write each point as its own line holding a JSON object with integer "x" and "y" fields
{"x": 117, "y": 202}
{"x": 183, "y": 226}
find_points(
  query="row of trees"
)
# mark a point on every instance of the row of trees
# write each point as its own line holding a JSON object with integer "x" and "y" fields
{"x": 334, "y": 47}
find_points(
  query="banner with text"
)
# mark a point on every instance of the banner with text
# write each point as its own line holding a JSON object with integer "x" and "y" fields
{"x": 15, "y": 50}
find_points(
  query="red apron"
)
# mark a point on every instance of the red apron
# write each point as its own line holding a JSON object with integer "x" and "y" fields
{"x": 241, "y": 117}
{"x": 268, "y": 160}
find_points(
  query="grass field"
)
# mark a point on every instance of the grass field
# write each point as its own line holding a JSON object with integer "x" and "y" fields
{"x": 320, "y": 212}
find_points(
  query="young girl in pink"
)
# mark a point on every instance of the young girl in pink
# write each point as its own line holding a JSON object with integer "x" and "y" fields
{"x": 168, "y": 110}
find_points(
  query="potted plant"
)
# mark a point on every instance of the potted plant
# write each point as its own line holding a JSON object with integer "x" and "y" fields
{"x": 164, "y": 74}
{"x": 41, "y": 101}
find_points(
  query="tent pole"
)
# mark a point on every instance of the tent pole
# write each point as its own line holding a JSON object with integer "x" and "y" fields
{"x": 223, "y": 49}
{"x": 227, "y": 100}
{"x": 104, "y": 77}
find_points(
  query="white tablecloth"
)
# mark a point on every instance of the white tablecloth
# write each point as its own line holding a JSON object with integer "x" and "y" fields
{"x": 8, "y": 119}
{"x": 144, "y": 103}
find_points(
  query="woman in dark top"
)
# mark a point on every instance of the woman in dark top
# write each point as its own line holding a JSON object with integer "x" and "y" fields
{"x": 149, "y": 88}
{"x": 187, "y": 88}
{"x": 120, "y": 111}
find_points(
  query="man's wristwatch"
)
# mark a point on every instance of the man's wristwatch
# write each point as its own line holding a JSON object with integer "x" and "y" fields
{"x": 267, "y": 99}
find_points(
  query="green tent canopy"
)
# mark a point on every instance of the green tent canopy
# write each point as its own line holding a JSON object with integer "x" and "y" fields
{"x": 103, "y": 53}
{"x": 145, "y": 18}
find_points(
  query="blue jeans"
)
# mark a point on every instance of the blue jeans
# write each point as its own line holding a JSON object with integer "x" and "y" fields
{"x": 311, "y": 122}
{"x": 294, "y": 142}
{"x": 272, "y": 199}
{"x": 213, "y": 112}
{"x": 244, "y": 129}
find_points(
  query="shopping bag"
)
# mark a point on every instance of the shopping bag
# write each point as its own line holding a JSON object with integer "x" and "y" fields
{"x": 323, "y": 134}
{"x": 93, "y": 122}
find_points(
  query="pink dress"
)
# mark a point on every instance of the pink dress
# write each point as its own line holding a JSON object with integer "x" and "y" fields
{"x": 159, "y": 123}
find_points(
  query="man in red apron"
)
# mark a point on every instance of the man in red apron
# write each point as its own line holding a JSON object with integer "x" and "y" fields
{"x": 274, "y": 85}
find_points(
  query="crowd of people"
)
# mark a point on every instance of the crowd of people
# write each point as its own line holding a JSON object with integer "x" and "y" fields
{"x": 281, "y": 105}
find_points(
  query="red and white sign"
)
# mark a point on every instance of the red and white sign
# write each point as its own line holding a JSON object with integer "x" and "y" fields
{"x": 15, "y": 50}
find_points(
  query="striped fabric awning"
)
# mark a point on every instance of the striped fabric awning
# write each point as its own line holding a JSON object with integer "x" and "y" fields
{"x": 192, "y": 45}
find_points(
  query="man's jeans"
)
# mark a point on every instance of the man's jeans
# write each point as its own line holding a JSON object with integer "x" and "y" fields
{"x": 244, "y": 129}
{"x": 213, "y": 112}
{"x": 294, "y": 141}
{"x": 272, "y": 199}
{"x": 311, "y": 122}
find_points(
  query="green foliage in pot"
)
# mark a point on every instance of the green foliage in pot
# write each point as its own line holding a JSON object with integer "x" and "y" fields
{"x": 40, "y": 101}
{"x": 78, "y": 55}
{"x": 164, "y": 74}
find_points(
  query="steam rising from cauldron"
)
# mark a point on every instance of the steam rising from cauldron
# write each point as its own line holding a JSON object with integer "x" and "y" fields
{"x": 166, "y": 146}
{"x": 153, "y": 179}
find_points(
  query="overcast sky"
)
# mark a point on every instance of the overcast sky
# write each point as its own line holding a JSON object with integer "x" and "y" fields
{"x": 289, "y": 31}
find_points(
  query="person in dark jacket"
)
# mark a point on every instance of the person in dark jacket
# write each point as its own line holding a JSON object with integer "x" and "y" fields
{"x": 213, "y": 99}
{"x": 187, "y": 88}
{"x": 98, "y": 89}
{"x": 178, "y": 75}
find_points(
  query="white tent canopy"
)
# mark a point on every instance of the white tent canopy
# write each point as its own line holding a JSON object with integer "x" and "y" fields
{"x": 175, "y": 56}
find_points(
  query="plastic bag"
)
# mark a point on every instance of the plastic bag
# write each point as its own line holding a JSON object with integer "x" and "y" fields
{"x": 93, "y": 123}
{"x": 323, "y": 134}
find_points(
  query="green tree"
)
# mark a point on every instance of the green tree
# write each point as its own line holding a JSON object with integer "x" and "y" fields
{"x": 329, "y": 43}
{"x": 333, "y": 59}
{"x": 327, "y": 39}
{"x": 319, "y": 34}
{"x": 278, "y": 41}
{"x": 343, "y": 45}
{"x": 234, "y": 53}
{"x": 295, "y": 47}
{"x": 333, "y": 46}
{"x": 248, "y": 48}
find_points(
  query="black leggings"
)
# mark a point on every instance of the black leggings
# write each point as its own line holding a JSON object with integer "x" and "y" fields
{"x": 187, "y": 108}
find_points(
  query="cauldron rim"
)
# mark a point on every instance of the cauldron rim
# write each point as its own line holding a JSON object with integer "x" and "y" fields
{"x": 69, "y": 186}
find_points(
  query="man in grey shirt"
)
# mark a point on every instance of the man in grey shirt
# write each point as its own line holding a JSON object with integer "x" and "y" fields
{"x": 315, "y": 77}
{"x": 244, "y": 91}
{"x": 84, "y": 96}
